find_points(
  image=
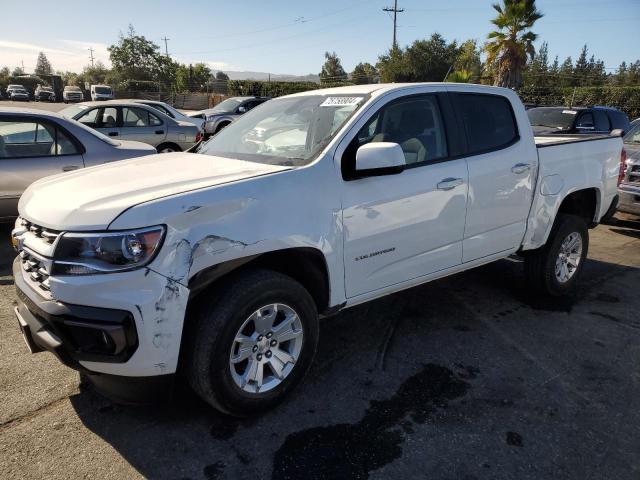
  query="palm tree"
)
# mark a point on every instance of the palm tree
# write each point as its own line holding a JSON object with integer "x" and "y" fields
{"x": 459, "y": 76}
{"x": 510, "y": 45}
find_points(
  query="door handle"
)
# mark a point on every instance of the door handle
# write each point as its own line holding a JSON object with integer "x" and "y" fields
{"x": 69, "y": 168}
{"x": 159, "y": 132}
{"x": 450, "y": 183}
{"x": 113, "y": 134}
{"x": 520, "y": 168}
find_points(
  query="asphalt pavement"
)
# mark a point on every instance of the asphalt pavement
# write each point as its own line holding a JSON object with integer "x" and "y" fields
{"x": 468, "y": 377}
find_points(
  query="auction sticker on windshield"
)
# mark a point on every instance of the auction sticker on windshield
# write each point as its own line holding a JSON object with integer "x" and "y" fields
{"x": 341, "y": 101}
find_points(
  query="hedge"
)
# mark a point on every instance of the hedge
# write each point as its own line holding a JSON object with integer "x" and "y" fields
{"x": 276, "y": 89}
{"x": 626, "y": 99}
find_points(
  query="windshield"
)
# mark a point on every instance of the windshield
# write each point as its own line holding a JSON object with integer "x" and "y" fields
{"x": 288, "y": 131}
{"x": 560, "y": 118}
{"x": 633, "y": 136}
{"x": 103, "y": 90}
{"x": 229, "y": 105}
{"x": 72, "y": 111}
{"x": 72, "y": 89}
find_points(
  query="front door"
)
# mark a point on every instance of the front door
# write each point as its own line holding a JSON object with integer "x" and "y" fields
{"x": 402, "y": 226}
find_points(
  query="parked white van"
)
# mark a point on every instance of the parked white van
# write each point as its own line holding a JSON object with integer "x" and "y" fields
{"x": 101, "y": 92}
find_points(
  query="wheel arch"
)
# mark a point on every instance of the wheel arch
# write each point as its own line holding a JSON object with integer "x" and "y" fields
{"x": 168, "y": 144}
{"x": 584, "y": 203}
{"x": 306, "y": 265}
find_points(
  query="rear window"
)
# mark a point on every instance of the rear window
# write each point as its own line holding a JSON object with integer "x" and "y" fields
{"x": 488, "y": 121}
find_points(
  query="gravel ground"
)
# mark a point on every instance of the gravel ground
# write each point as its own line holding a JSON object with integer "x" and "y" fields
{"x": 466, "y": 377}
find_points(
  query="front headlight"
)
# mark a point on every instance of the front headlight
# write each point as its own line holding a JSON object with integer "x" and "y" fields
{"x": 106, "y": 252}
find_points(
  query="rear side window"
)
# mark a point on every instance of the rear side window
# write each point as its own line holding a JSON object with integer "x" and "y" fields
{"x": 33, "y": 139}
{"x": 619, "y": 121}
{"x": 602, "y": 121}
{"x": 488, "y": 120}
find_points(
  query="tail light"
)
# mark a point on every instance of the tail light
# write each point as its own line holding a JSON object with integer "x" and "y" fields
{"x": 199, "y": 137}
{"x": 623, "y": 166}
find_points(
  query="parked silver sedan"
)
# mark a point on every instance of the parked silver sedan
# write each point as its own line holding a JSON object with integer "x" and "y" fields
{"x": 171, "y": 112}
{"x": 37, "y": 143}
{"x": 133, "y": 121}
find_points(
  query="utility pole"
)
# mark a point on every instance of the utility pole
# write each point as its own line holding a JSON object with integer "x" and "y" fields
{"x": 22, "y": 62}
{"x": 91, "y": 57}
{"x": 166, "y": 49}
{"x": 395, "y": 11}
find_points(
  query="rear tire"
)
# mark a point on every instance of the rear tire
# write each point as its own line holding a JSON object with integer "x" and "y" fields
{"x": 168, "y": 148}
{"x": 221, "y": 126}
{"x": 213, "y": 366}
{"x": 555, "y": 268}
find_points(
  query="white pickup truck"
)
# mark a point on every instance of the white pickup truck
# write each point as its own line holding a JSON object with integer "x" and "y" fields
{"x": 218, "y": 265}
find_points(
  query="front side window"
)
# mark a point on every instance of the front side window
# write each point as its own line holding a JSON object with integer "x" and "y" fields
{"x": 414, "y": 123}
{"x": 33, "y": 139}
{"x": 634, "y": 135}
{"x": 287, "y": 131}
{"x": 488, "y": 121}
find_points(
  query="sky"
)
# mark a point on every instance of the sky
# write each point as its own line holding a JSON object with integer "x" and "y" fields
{"x": 290, "y": 37}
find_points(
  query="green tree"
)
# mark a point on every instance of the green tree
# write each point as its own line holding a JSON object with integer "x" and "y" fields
{"x": 136, "y": 58}
{"x": 468, "y": 59}
{"x": 393, "y": 66}
{"x": 512, "y": 43}
{"x": 581, "y": 68}
{"x": 332, "y": 70}
{"x": 16, "y": 72}
{"x": 364, "y": 73}
{"x": 96, "y": 74}
{"x": 43, "y": 66}
{"x": 220, "y": 75}
{"x": 565, "y": 74}
{"x": 430, "y": 60}
{"x": 459, "y": 76}
{"x": 537, "y": 71}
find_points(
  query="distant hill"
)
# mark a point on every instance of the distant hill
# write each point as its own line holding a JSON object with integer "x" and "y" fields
{"x": 276, "y": 77}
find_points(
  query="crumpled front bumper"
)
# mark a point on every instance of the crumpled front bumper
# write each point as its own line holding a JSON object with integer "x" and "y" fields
{"x": 122, "y": 330}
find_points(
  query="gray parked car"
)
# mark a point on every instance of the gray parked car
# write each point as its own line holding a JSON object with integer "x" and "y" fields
{"x": 225, "y": 112}
{"x": 133, "y": 121}
{"x": 37, "y": 143}
{"x": 171, "y": 112}
{"x": 17, "y": 93}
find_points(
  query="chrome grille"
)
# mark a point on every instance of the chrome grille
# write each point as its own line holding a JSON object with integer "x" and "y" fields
{"x": 35, "y": 249}
{"x": 633, "y": 174}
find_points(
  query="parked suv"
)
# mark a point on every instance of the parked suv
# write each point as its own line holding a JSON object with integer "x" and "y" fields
{"x": 44, "y": 94}
{"x": 17, "y": 93}
{"x": 629, "y": 189}
{"x": 71, "y": 93}
{"x": 224, "y": 113}
{"x": 580, "y": 120}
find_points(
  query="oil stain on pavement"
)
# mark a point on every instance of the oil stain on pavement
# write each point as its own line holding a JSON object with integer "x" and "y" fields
{"x": 353, "y": 450}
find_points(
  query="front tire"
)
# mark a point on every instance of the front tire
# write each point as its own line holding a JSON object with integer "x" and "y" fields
{"x": 556, "y": 268}
{"x": 252, "y": 344}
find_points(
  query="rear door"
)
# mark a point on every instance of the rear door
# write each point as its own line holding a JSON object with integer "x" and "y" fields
{"x": 502, "y": 164}
{"x": 143, "y": 126}
{"x": 29, "y": 150}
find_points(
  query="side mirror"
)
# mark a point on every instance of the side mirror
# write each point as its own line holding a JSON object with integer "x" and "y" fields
{"x": 242, "y": 109}
{"x": 379, "y": 158}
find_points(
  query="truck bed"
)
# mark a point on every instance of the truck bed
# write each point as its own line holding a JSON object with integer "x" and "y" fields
{"x": 548, "y": 140}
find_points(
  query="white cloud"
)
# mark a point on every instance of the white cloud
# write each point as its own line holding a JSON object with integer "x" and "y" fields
{"x": 70, "y": 55}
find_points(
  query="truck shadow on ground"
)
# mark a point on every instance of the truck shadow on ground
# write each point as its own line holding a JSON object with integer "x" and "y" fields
{"x": 382, "y": 370}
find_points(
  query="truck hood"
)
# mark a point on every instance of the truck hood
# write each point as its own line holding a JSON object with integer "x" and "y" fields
{"x": 90, "y": 199}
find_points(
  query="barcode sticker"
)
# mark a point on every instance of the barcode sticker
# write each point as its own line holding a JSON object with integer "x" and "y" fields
{"x": 341, "y": 101}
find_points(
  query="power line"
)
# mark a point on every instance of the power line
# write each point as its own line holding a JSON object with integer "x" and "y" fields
{"x": 166, "y": 49}
{"x": 395, "y": 11}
